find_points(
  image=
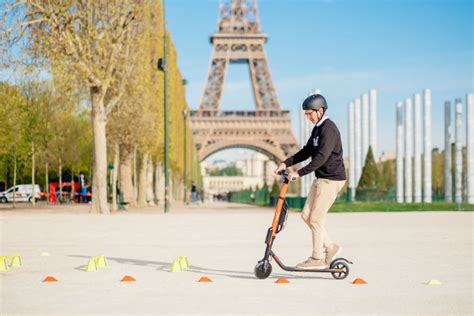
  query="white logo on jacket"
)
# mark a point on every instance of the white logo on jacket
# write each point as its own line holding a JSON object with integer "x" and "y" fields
{"x": 315, "y": 141}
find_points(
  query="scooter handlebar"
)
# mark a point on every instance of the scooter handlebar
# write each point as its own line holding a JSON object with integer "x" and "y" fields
{"x": 283, "y": 175}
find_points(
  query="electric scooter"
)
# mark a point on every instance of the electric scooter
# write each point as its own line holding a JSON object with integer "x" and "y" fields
{"x": 339, "y": 267}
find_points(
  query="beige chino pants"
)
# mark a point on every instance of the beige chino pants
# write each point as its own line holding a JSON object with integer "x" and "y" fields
{"x": 322, "y": 194}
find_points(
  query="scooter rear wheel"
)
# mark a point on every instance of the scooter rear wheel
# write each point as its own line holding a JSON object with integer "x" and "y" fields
{"x": 341, "y": 265}
{"x": 263, "y": 270}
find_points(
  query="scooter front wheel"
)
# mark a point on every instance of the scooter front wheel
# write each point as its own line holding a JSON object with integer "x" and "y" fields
{"x": 263, "y": 269}
{"x": 342, "y": 266}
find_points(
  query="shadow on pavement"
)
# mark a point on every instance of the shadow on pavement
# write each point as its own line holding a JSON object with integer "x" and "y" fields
{"x": 164, "y": 266}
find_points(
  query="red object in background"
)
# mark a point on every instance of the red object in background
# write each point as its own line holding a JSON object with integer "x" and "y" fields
{"x": 52, "y": 193}
{"x": 53, "y": 186}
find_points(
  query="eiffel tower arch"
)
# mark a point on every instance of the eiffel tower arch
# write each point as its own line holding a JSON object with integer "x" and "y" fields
{"x": 268, "y": 128}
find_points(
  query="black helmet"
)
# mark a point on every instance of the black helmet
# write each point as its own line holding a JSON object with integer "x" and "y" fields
{"x": 315, "y": 102}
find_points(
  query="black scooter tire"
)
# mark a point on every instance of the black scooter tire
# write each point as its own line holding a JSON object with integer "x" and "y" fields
{"x": 263, "y": 270}
{"x": 340, "y": 264}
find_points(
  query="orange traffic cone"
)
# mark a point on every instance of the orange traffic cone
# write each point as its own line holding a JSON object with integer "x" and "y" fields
{"x": 282, "y": 280}
{"x": 127, "y": 278}
{"x": 204, "y": 279}
{"x": 50, "y": 279}
{"x": 359, "y": 281}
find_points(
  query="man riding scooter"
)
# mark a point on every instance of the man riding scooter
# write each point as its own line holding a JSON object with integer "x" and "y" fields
{"x": 325, "y": 149}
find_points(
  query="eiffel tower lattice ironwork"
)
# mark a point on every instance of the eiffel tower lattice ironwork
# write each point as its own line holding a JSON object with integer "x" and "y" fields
{"x": 268, "y": 128}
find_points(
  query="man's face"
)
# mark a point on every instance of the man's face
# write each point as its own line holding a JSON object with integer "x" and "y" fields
{"x": 313, "y": 115}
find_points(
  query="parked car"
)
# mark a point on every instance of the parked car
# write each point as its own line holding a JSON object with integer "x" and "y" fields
{"x": 23, "y": 193}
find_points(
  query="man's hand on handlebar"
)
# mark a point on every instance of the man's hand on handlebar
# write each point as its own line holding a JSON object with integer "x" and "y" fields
{"x": 293, "y": 176}
{"x": 280, "y": 168}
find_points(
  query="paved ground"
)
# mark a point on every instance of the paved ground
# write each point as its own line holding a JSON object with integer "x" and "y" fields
{"x": 396, "y": 253}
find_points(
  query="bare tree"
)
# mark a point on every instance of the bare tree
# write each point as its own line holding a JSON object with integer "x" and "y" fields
{"x": 85, "y": 42}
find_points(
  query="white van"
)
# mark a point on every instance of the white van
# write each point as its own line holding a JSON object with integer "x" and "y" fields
{"x": 22, "y": 193}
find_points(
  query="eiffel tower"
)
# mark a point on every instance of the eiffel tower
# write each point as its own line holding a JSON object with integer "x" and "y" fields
{"x": 268, "y": 128}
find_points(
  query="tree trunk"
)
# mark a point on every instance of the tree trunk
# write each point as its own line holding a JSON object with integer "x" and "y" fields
{"x": 99, "y": 122}
{"x": 60, "y": 181}
{"x": 171, "y": 193}
{"x": 150, "y": 196}
{"x": 175, "y": 188}
{"x": 126, "y": 175}
{"x": 33, "y": 200}
{"x": 14, "y": 179}
{"x": 71, "y": 196}
{"x": 46, "y": 182}
{"x": 114, "y": 177}
{"x": 159, "y": 183}
{"x": 142, "y": 181}
{"x": 90, "y": 173}
{"x": 135, "y": 172}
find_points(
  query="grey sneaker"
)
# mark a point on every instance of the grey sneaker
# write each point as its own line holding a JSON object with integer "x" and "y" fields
{"x": 332, "y": 253}
{"x": 312, "y": 263}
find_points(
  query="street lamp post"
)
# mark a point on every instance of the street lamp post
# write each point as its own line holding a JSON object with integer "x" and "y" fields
{"x": 185, "y": 116}
{"x": 162, "y": 65}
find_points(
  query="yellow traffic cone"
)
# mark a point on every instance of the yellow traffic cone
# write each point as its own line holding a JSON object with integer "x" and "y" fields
{"x": 15, "y": 260}
{"x": 3, "y": 263}
{"x": 183, "y": 261}
{"x": 100, "y": 261}
{"x": 433, "y": 282}
{"x": 176, "y": 266}
{"x": 91, "y": 265}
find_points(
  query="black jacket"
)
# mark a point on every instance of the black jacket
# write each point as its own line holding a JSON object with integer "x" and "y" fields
{"x": 325, "y": 149}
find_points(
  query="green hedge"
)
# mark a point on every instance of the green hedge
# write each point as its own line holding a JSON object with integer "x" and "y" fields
{"x": 263, "y": 197}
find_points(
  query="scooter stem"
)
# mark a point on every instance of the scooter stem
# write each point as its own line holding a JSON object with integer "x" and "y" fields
{"x": 279, "y": 206}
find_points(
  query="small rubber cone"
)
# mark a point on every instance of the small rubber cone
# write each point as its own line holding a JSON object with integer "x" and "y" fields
{"x": 100, "y": 261}
{"x": 3, "y": 263}
{"x": 91, "y": 265}
{"x": 433, "y": 282}
{"x": 50, "y": 279}
{"x": 44, "y": 254}
{"x": 183, "y": 261}
{"x": 359, "y": 281}
{"x": 127, "y": 278}
{"x": 176, "y": 266}
{"x": 282, "y": 280}
{"x": 204, "y": 279}
{"x": 15, "y": 260}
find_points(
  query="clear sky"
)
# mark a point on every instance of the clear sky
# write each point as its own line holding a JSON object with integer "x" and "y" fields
{"x": 343, "y": 48}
